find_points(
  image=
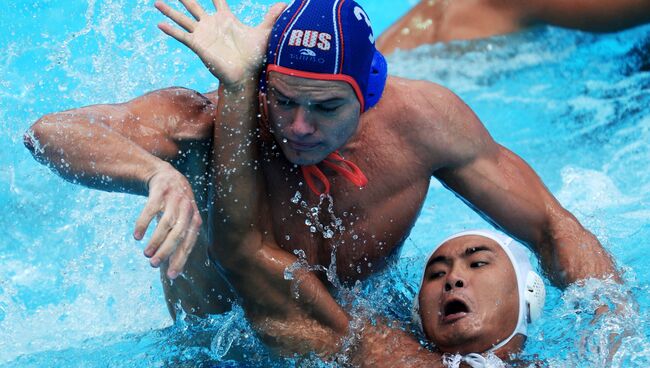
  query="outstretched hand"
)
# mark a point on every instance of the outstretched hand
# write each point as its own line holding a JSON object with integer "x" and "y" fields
{"x": 232, "y": 51}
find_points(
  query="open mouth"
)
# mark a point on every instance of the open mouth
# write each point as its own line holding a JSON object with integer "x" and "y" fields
{"x": 454, "y": 310}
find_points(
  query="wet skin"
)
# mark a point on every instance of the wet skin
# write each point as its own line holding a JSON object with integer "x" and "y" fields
{"x": 469, "y": 298}
{"x": 418, "y": 130}
{"x": 432, "y": 21}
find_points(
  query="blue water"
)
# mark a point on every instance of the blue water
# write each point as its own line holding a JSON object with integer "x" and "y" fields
{"x": 76, "y": 292}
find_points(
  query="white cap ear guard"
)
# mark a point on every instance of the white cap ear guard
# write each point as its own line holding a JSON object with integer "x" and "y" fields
{"x": 535, "y": 296}
{"x": 532, "y": 293}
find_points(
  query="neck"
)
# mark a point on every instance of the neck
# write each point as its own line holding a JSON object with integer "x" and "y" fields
{"x": 512, "y": 347}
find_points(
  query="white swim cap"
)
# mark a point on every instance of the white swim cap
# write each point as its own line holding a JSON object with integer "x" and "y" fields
{"x": 530, "y": 285}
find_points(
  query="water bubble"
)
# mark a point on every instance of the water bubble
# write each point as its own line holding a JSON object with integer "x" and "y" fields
{"x": 308, "y": 222}
{"x": 328, "y": 234}
{"x": 300, "y": 253}
{"x": 355, "y": 236}
{"x": 312, "y": 229}
{"x": 287, "y": 237}
{"x": 296, "y": 198}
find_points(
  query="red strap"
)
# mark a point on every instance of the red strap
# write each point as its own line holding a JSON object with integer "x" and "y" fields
{"x": 334, "y": 160}
{"x": 311, "y": 171}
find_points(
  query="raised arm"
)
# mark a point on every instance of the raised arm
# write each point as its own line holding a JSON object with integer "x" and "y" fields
{"x": 296, "y": 315}
{"x": 507, "y": 192}
{"x": 251, "y": 260}
{"x": 133, "y": 147}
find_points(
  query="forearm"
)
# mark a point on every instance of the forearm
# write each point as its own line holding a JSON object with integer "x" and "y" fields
{"x": 300, "y": 316}
{"x": 383, "y": 346}
{"x": 81, "y": 149}
{"x": 294, "y": 314}
{"x": 591, "y": 15}
{"x": 502, "y": 187}
{"x": 571, "y": 253}
{"x": 254, "y": 264}
{"x": 239, "y": 185}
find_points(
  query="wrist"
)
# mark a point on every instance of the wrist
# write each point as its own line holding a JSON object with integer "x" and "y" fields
{"x": 156, "y": 168}
{"x": 237, "y": 88}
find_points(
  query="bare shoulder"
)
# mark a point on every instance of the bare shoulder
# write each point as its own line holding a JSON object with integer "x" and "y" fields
{"x": 435, "y": 121}
{"x": 183, "y": 114}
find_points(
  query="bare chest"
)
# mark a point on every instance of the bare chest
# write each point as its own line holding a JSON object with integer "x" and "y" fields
{"x": 354, "y": 230}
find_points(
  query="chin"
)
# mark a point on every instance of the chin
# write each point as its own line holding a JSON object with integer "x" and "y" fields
{"x": 303, "y": 158}
{"x": 461, "y": 338}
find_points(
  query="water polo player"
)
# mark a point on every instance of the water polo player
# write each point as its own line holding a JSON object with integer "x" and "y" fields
{"x": 333, "y": 127}
{"x": 478, "y": 294}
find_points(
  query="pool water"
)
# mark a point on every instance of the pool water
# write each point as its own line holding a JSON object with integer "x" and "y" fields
{"x": 76, "y": 292}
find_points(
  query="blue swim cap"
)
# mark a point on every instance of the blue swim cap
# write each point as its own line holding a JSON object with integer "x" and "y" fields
{"x": 327, "y": 40}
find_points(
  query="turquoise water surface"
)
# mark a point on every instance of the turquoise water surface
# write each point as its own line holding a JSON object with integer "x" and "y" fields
{"x": 76, "y": 292}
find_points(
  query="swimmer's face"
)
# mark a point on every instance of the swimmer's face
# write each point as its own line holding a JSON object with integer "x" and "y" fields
{"x": 469, "y": 300}
{"x": 311, "y": 118}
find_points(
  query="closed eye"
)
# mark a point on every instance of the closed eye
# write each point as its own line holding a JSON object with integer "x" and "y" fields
{"x": 285, "y": 103}
{"x": 327, "y": 108}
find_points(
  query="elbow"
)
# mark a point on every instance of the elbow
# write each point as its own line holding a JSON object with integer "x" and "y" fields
{"x": 34, "y": 136}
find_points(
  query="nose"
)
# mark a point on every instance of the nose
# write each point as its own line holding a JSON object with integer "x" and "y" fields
{"x": 300, "y": 126}
{"x": 455, "y": 280}
{"x": 457, "y": 284}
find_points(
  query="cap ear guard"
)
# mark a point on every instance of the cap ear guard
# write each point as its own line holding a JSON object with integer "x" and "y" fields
{"x": 535, "y": 296}
{"x": 376, "y": 80}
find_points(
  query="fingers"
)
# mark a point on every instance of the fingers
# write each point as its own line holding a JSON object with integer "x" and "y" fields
{"x": 175, "y": 240}
{"x": 161, "y": 234}
{"x": 179, "y": 35}
{"x": 179, "y": 18}
{"x": 194, "y": 8}
{"x": 221, "y": 5}
{"x": 178, "y": 259}
{"x": 272, "y": 15}
{"x": 150, "y": 210}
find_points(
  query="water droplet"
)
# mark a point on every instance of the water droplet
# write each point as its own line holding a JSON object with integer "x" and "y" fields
{"x": 287, "y": 237}
{"x": 284, "y": 140}
{"x": 307, "y": 222}
{"x": 355, "y": 236}
{"x": 296, "y": 198}
{"x": 312, "y": 229}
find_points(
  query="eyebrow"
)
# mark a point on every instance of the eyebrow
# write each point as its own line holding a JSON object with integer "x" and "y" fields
{"x": 325, "y": 100}
{"x": 468, "y": 252}
{"x": 481, "y": 248}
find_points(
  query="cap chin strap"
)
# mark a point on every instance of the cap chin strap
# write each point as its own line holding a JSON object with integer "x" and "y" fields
{"x": 474, "y": 360}
{"x": 337, "y": 163}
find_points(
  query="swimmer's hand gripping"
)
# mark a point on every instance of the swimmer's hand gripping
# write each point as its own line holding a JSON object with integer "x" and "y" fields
{"x": 232, "y": 51}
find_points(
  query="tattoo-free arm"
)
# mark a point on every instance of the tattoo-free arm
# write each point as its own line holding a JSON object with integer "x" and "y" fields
{"x": 507, "y": 192}
{"x": 118, "y": 147}
{"x": 589, "y": 15}
{"x": 128, "y": 148}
